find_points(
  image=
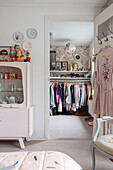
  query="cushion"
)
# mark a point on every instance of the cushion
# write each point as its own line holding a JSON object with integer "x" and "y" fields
{"x": 105, "y": 143}
{"x": 42, "y": 160}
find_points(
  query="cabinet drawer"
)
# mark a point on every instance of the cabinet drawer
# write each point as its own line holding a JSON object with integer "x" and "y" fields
{"x": 13, "y": 122}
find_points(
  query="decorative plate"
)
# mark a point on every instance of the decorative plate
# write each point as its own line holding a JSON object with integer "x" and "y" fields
{"x": 27, "y": 45}
{"x": 32, "y": 33}
{"x": 18, "y": 36}
{"x": 77, "y": 57}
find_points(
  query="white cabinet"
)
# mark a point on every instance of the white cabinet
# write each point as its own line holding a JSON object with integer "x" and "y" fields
{"x": 16, "y": 109}
{"x": 13, "y": 122}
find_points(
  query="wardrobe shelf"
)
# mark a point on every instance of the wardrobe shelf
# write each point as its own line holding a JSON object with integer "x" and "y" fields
{"x": 66, "y": 72}
{"x": 10, "y": 79}
{"x": 10, "y": 91}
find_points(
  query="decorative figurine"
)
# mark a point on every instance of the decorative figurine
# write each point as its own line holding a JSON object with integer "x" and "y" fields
{"x": 28, "y": 58}
{"x": 18, "y": 56}
{"x": 23, "y": 57}
{"x": 12, "y": 54}
{"x": 17, "y": 48}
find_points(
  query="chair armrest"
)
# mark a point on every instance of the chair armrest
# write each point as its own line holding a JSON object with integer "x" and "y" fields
{"x": 99, "y": 121}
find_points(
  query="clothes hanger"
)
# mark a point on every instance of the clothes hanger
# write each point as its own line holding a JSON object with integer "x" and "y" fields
{"x": 94, "y": 59}
{"x": 98, "y": 52}
{"x": 107, "y": 46}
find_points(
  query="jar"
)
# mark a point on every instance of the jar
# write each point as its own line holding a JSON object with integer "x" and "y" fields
{"x": 6, "y": 75}
{"x": 20, "y": 100}
{"x": 1, "y": 75}
{"x": 14, "y": 87}
{"x": 11, "y": 88}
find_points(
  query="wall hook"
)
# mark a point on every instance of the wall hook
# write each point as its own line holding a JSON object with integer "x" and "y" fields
{"x": 105, "y": 37}
{"x": 100, "y": 42}
{"x": 110, "y": 32}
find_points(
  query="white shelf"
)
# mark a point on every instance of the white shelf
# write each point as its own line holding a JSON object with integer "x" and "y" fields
{"x": 66, "y": 72}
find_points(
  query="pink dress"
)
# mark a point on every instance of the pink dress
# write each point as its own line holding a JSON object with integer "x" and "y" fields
{"x": 103, "y": 83}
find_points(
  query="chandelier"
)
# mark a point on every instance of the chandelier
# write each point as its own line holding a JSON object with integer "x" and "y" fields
{"x": 69, "y": 49}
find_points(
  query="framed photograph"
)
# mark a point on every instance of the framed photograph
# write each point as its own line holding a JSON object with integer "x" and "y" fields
{"x": 58, "y": 65}
{"x": 75, "y": 66}
{"x": 64, "y": 66}
{"x": 4, "y": 53}
{"x": 52, "y": 59}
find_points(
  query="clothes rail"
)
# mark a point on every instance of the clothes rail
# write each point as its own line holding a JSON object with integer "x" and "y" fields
{"x": 70, "y": 81}
{"x": 70, "y": 78}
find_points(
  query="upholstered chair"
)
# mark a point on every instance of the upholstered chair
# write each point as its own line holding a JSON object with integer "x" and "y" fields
{"x": 103, "y": 143}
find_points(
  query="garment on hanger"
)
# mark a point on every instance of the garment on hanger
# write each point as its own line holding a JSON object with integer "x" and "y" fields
{"x": 52, "y": 99}
{"x": 103, "y": 83}
{"x": 82, "y": 96}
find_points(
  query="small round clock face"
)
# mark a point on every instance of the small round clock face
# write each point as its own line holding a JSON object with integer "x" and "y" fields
{"x": 77, "y": 57}
{"x": 18, "y": 36}
{"x": 32, "y": 33}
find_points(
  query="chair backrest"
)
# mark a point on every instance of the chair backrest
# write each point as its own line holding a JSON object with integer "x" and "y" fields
{"x": 104, "y": 127}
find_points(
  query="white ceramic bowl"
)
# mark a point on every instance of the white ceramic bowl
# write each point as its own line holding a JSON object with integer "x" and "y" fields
{"x": 19, "y": 89}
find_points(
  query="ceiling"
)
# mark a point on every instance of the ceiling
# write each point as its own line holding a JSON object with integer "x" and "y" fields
{"x": 78, "y": 33}
{"x": 55, "y": 2}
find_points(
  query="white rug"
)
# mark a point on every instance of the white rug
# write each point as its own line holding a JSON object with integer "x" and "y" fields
{"x": 69, "y": 127}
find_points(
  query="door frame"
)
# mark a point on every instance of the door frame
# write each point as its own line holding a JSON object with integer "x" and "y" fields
{"x": 47, "y": 21}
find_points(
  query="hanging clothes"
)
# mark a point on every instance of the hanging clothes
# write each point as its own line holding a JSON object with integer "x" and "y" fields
{"x": 103, "y": 83}
{"x": 68, "y": 97}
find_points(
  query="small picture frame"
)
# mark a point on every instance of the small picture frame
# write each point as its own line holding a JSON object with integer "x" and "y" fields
{"x": 58, "y": 65}
{"x": 4, "y": 53}
{"x": 64, "y": 66}
{"x": 75, "y": 66}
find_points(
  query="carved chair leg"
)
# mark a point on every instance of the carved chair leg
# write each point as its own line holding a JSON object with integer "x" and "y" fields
{"x": 93, "y": 157}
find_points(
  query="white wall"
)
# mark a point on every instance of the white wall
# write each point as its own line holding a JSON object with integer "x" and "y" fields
{"x": 14, "y": 19}
{"x": 91, "y": 47}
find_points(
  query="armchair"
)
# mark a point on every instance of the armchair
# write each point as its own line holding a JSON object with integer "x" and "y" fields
{"x": 103, "y": 143}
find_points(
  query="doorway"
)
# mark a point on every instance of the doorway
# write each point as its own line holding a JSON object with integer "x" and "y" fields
{"x": 59, "y": 118}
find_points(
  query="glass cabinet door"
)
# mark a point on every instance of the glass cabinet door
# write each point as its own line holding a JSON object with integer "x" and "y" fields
{"x": 11, "y": 86}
